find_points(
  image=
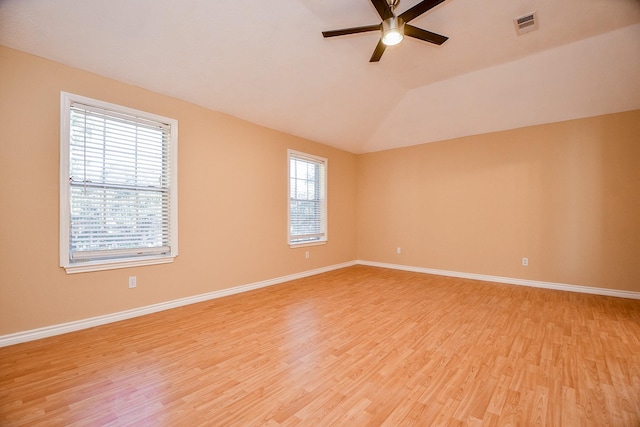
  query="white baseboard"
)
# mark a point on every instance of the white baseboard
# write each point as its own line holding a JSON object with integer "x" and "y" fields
{"x": 509, "y": 280}
{"x": 50, "y": 331}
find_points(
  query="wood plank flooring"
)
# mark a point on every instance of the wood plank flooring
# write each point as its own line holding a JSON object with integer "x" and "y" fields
{"x": 354, "y": 347}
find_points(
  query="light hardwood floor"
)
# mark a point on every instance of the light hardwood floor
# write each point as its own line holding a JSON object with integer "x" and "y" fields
{"x": 357, "y": 346}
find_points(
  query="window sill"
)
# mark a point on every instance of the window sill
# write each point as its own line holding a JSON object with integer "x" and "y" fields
{"x": 306, "y": 244}
{"x": 112, "y": 265}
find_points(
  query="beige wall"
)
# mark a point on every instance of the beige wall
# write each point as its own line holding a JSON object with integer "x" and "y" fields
{"x": 232, "y": 202}
{"x": 565, "y": 195}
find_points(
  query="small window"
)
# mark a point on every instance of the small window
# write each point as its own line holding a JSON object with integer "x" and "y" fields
{"x": 118, "y": 186}
{"x": 307, "y": 199}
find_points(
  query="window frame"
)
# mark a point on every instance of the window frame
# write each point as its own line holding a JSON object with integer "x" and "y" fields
{"x": 66, "y": 262}
{"x": 324, "y": 162}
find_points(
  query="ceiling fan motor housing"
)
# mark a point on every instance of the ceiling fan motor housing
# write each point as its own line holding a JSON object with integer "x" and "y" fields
{"x": 392, "y": 30}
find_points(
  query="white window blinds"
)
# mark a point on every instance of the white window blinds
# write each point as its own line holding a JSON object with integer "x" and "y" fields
{"x": 120, "y": 189}
{"x": 307, "y": 198}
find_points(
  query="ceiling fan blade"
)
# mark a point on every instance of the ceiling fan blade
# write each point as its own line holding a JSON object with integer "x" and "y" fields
{"x": 377, "y": 53}
{"x": 382, "y": 6}
{"x": 428, "y": 36}
{"x": 419, "y": 9}
{"x": 353, "y": 30}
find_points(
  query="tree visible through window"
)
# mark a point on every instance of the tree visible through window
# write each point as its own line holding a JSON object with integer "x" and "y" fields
{"x": 307, "y": 198}
{"x": 118, "y": 173}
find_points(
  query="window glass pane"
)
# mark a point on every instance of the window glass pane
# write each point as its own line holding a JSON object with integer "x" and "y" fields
{"x": 119, "y": 190}
{"x": 307, "y": 204}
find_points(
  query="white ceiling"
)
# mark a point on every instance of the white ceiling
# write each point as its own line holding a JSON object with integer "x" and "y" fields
{"x": 268, "y": 63}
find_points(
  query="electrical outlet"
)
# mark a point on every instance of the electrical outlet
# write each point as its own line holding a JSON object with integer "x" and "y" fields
{"x": 306, "y": 255}
{"x": 398, "y": 250}
{"x": 133, "y": 282}
{"x": 525, "y": 262}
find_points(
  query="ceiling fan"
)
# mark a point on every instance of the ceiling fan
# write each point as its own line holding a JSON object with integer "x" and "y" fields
{"x": 393, "y": 28}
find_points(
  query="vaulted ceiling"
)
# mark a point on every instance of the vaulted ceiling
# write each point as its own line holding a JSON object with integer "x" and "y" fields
{"x": 267, "y": 62}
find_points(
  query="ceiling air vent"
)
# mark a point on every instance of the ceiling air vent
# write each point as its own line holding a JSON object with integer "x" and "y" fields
{"x": 526, "y": 23}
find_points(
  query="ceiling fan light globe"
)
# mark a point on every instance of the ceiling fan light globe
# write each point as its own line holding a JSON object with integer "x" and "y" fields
{"x": 392, "y": 37}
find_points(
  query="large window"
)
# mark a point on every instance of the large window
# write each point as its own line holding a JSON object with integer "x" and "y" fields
{"x": 307, "y": 199}
{"x": 118, "y": 186}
